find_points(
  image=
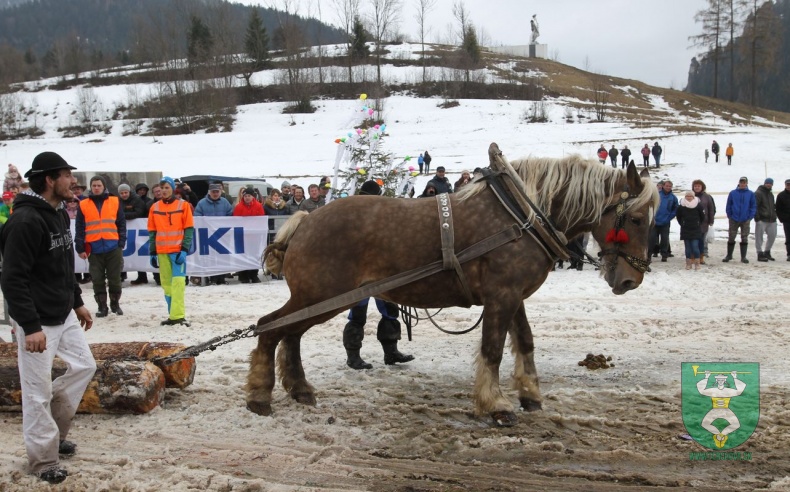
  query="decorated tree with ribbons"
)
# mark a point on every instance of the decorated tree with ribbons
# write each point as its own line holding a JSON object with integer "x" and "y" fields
{"x": 361, "y": 157}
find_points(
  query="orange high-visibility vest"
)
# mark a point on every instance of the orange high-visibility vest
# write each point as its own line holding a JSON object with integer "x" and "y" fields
{"x": 169, "y": 220}
{"x": 100, "y": 226}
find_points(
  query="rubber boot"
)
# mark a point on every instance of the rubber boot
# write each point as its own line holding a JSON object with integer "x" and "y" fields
{"x": 355, "y": 361}
{"x": 767, "y": 254}
{"x": 744, "y": 246}
{"x": 392, "y": 355}
{"x": 761, "y": 256}
{"x": 101, "y": 300}
{"x": 730, "y": 249}
{"x": 115, "y": 307}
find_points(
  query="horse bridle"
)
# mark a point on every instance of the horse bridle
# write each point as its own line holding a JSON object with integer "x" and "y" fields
{"x": 618, "y": 236}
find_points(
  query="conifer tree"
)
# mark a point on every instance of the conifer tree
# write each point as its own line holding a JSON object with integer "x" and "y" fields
{"x": 256, "y": 42}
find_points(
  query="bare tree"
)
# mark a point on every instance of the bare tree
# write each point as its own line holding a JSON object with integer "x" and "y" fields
{"x": 293, "y": 42}
{"x": 347, "y": 11}
{"x": 732, "y": 15}
{"x": 462, "y": 17}
{"x": 383, "y": 18}
{"x": 762, "y": 40}
{"x": 713, "y": 25}
{"x": 600, "y": 96}
{"x": 423, "y": 7}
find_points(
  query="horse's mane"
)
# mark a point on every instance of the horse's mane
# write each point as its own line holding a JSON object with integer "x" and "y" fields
{"x": 584, "y": 185}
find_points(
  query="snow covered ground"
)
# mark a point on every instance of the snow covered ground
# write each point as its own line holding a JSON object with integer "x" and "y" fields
{"x": 410, "y": 427}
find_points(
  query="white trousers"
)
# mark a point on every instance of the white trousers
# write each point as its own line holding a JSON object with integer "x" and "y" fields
{"x": 48, "y": 406}
{"x": 767, "y": 228}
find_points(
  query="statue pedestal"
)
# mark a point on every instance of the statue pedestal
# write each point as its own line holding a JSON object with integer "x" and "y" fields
{"x": 538, "y": 50}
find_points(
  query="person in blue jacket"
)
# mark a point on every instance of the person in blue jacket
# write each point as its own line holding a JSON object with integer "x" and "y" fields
{"x": 667, "y": 209}
{"x": 741, "y": 209}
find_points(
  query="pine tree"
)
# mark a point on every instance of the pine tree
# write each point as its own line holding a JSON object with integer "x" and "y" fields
{"x": 256, "y": 42}
{"x": 199, "y": 41}
{"x": 359, "y": 38}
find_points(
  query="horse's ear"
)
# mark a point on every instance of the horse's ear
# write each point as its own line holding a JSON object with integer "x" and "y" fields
{"x": 633, "y": 177}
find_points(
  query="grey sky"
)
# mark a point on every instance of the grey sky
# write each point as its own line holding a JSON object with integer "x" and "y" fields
{"x": 645, "y": 40}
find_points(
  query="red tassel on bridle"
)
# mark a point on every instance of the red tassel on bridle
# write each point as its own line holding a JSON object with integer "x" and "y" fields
{"x": 617, "y": 236}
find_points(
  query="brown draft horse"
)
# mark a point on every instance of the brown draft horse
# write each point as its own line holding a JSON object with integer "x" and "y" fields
{"x": 358, "y": 240}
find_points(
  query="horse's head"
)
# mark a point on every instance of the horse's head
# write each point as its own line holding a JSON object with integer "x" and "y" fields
{"x": 623, "y": 231}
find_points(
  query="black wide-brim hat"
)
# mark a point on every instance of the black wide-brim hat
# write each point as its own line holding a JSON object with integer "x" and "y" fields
{"x": 47, "y": 161}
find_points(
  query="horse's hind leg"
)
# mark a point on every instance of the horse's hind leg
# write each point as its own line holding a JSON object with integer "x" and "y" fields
{"x": 488, "y": 395}
{"x": 289, "y": 366}
{"x": 525, "y": 375}
{"x": 260, "y": 379}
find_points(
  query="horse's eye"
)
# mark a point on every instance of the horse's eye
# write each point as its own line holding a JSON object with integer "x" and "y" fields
{"x": 635, "y": 221}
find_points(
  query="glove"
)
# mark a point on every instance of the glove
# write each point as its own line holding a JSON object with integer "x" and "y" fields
{"x": 181, "y": 257}
{"x": 154, "y": 261}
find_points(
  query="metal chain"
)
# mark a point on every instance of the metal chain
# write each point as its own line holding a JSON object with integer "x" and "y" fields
{"x": 212, "y": 344}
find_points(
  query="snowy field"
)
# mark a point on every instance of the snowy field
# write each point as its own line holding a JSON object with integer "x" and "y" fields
{"x": 411, "y": 427}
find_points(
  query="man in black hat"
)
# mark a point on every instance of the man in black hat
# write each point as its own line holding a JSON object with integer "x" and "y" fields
{"x": 388, "y": 332}
{"x": 46, "y": 308}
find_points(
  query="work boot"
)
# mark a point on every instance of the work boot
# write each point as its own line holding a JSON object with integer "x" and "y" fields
{"x": 730, "y": 249}
{"x": 767, "y": 254}
{"x": 392, "y": 355}
{"x": 761, "y": 256}
{"x": 142, "y": 278}
{"x": 156, "y": 278}
{"x": 744, "y": 246}
{"x": 115, "y": 307}
{"x": 354, "y": 360}
{"x": 101, "y": 300}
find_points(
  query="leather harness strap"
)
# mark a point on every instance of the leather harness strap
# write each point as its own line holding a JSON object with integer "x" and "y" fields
{"x": 449, "y": 260}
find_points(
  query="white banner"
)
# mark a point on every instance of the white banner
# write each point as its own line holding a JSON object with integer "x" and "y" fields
{"x": 220, "y": 245}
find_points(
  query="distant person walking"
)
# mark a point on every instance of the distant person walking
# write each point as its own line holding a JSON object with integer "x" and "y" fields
{"x": 657, "y": 154}
{"x": 421, "y": 162}
{"x": 427, "y": 160}
{"x": 625, "y": 155}
{"x": 645, "y": 156}
{"x": 603, "y": 154}
{"x": 714, "y": 147}
{"x": 729, "y": 152}
{"x": 613, "y": 153}
{"x": 707, "y": 154}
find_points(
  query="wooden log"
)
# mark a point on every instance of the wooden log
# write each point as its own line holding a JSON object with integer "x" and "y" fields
{"x": 117, "y": 386}
{"x": 177, "y": 375}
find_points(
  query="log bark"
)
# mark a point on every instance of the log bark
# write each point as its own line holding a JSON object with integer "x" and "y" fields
{"x": 177, "y": 375}
{"x": 117, "y": 387}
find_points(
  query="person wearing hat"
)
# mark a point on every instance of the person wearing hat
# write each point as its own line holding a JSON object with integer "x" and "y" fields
{"x": 170, "y": 232}
{"x": 45, "y": 305}
{"x": 285, "y": 188}
{"x": 741, "y": 208}
{"x": 465, "y": 179}
{"x": 7, "y": 206}
{"x": 100, "y": 229}
{"x": 141, "y": 190}
{"x": 440, "y": 182}
{"x": 388, "y": 331}
{"x": 657, "y": 151}
{"x": 765, "y": 220}
{"x": 783, "y": 213}
{"x": 248, "y": 206}
{"x": 214, "y": 205}
{"x": 12, "y": 178}
{"x": 426, "y": 157}
{"x": 79, "y": 191}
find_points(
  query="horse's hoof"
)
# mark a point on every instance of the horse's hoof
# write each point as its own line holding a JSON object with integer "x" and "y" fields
{"x": 531, "y": 405}
{"x": 504, "y": 419}
{"x": 260, "y": 408}
{"x": 305, "y": 398}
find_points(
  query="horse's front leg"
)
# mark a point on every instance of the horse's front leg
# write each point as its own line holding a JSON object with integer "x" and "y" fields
{"x": 525, "y": 375}
{"x": 289, "y": 365}
{"x": 488, "y": 395}
{"x": 260, "y": 380}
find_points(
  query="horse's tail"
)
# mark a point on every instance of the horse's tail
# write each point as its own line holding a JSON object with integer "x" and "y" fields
{"x": 274, "y": 254}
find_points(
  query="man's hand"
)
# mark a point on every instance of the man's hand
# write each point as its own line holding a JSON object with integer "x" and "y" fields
{"x": 37, "y": 342}
{"x": 84, "y": 255}
{"x": 707, "y": 374}
{"x": 86, "y": 320}
{"x": 181, "y": 257}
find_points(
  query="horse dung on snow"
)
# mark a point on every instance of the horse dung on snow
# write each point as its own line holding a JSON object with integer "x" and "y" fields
{"x": 508, "y": 228}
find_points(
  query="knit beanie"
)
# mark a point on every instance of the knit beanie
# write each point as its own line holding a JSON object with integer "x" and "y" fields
{"x": 124, "y": 187}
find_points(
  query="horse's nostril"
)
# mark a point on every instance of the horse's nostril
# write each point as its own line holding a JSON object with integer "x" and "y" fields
{"x": 629, "y": 285}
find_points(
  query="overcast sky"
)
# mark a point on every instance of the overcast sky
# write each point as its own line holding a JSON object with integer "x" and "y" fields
{"x": 645, "y": 40}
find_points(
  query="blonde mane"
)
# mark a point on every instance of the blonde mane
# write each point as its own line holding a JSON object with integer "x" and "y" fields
{"x": 584, "y": 184}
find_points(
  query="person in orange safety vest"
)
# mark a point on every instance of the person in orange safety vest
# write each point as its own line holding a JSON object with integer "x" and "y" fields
{"x": 100, "y": 229}
{"x": 170, "y": 232}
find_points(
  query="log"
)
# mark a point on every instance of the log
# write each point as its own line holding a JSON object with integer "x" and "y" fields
{"x": 177, "y": 375}
{"x": 117, "y": 387}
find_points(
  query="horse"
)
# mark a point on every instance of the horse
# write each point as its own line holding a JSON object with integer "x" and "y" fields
{"x": 355, "y": 241}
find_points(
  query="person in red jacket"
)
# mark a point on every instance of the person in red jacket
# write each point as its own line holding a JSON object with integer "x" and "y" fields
{"x": 248, "y": 207}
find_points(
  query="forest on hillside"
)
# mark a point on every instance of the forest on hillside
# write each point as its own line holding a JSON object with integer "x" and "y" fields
{"x": 747, "y": 53}
{"x": 41, "y": 38}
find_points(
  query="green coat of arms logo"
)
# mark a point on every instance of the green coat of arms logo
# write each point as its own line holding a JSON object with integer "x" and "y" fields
{"x": 721, "y": 402}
